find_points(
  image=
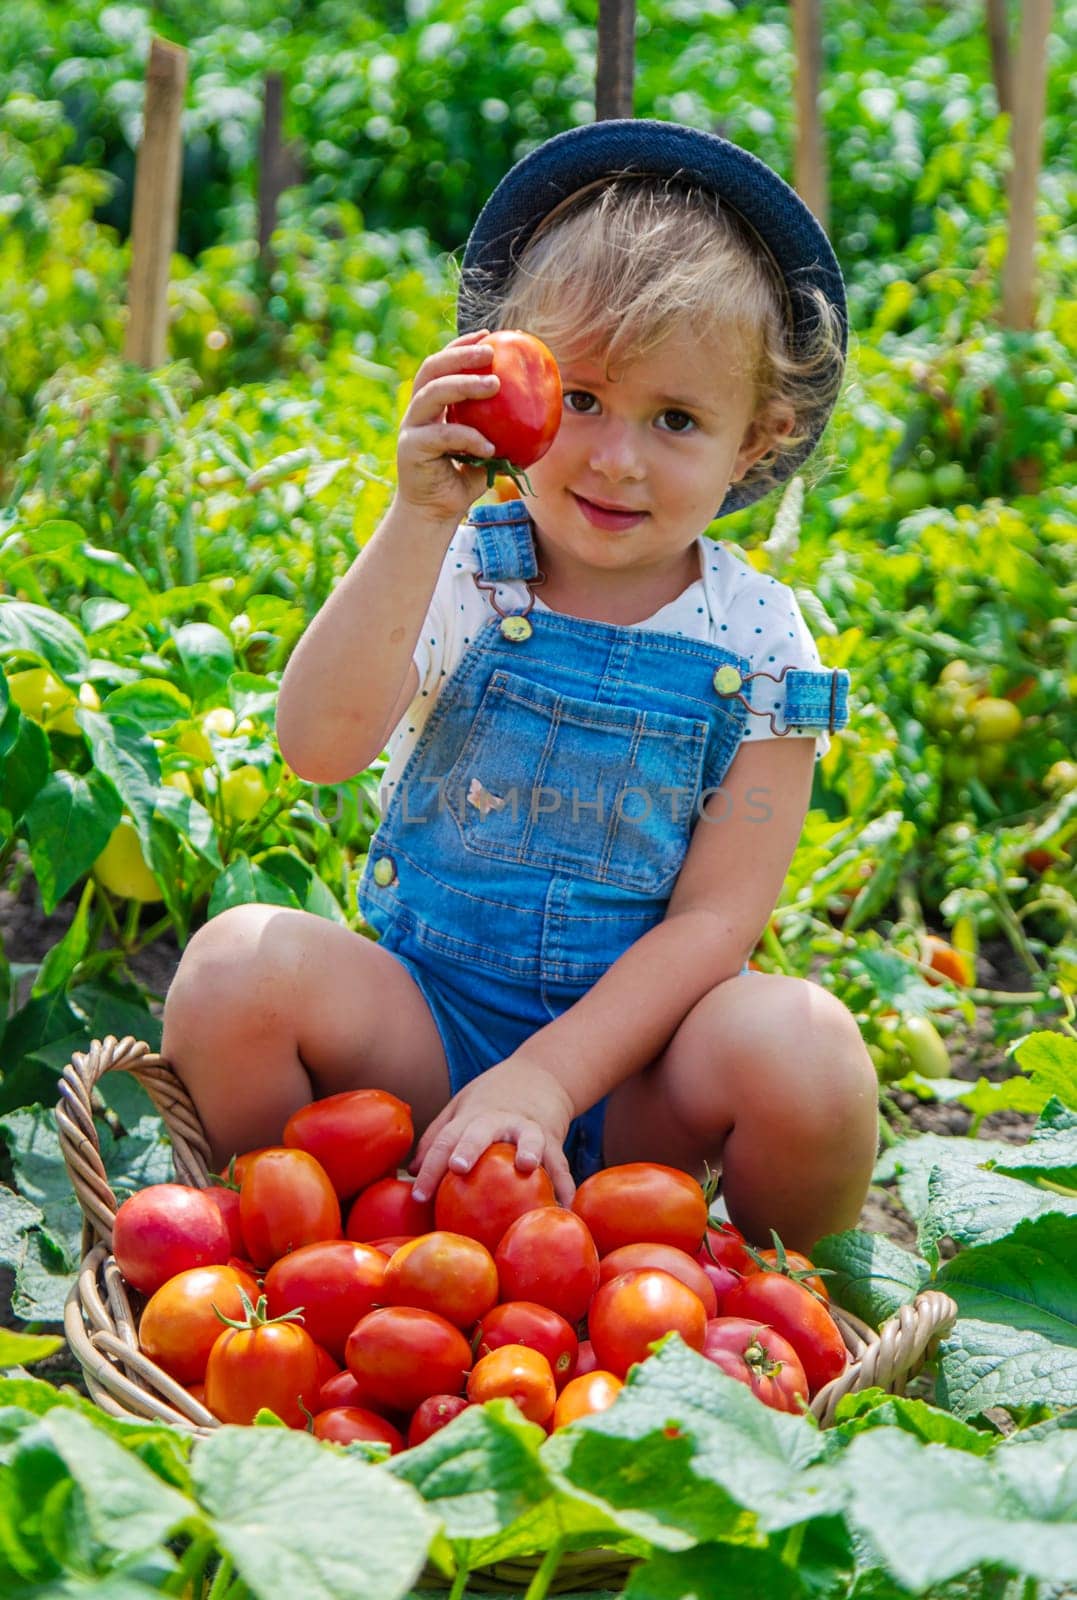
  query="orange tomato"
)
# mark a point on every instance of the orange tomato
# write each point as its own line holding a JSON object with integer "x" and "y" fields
{"x": 591, "y": 1392}
{"x": 180, "y": 1326}
{"x": 942, "y": 958}
{"x": 443, "y": 1272}
{"x": 518, "y": 1373}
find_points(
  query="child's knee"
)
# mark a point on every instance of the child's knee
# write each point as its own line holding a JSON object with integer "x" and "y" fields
{"x": 220, "y": 966}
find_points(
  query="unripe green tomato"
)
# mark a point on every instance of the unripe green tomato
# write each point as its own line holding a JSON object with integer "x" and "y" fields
{"x": 1061, "y": 778}
{"x": 995, "y": 721}
{"x": 927, "y": 1053}
{"x": 121, "y": 867}
{"x": 949, "y": 479}
{"x": 910, "y": 489}
{"x": 244, "y": 793}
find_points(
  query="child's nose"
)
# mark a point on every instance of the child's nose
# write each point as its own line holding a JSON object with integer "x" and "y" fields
{"x": 615, "y": 452}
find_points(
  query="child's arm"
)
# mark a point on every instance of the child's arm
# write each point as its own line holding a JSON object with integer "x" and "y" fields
{"x": 727, "y": 888}
{"x": 350, "y": 678}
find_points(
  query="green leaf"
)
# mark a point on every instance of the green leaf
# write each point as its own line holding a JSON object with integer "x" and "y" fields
{"x": 165, "y": 1450}
{"x": 69, "y": 824}
{"x": 34, "y": 1025}
{"x": 912, "y": 1162}
{"x": 208, "y": 660}
{"x": 1050, "y": 1059}
{"x": 128, "y": 1507}
{"x": 124, "y": 753}
{"x": 299, "y": 876}
{"x": 875, "y": 1408}
{"x": 191, "y": 821}
{"x": 1051, "y": 1153}
{"x": 934, "y": 1513}
{"x": 25, "y": 762}
{"x": 730, "y": 1571}
{"x": 1015, "y": 1341}
{"x": 43, "y": 632}
{"x": 244, "y": 883}
{"x": 873, "y": 1276}
{"x": 17, "y": 1349}
{"x": 64, "y": 957}
{"x": 250, "y": 695}
{"x": 300, "y": 1518}
{"x": 154, "y": 703}
{"x": 975, "y": 1206}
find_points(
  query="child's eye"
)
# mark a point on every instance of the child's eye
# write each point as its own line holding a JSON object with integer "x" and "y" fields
{"x": 579, "y": 401}
{"x": 677, "y": 422}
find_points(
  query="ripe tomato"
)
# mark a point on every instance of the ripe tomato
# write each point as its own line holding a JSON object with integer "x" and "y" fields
{"x": 521, "y": 420}
{"x": 179, "y": 1326}
{"x": 333, "y": 1284}
{"x": 400, "y": 1355}
{"x": 165, "y": 1229}
{"x": 757, "y": 1356}
{"x": 389, "y": 1247}
{"x": 591, "y": 1392}
{"x": 433, "y": 1414}
{"x": 515, "y": 1372}
{"x": 526, "y": 1322}
{"x": 327, "y": 1368}
{"x": 358, "y": 1136}
{"x": 797, "y": 1264}
{"x": 344, "y": 1423}
{"x": 227, "y": 1202}
{"x": 443, "y": 1272}
{"x": 482, "y": 1202}
{"x": 678, "y": 1263}
{"x": 642, "y": 1202}
{"x": 286, "y": 1200}
{"x": 389, "y": 1207}
{"x": 586, "y": 1360}
{"x": 630, "y": 1312}
{"x": 942, "y": 958}
{"x": 236, "y": 1170}
{"x": 340, "y": 1389}
{"x": 272, "y": 1364}
{"x": 724, "y": 1257}
{"x": 798, "y": 1316}
{"x": 549, "y": 1256}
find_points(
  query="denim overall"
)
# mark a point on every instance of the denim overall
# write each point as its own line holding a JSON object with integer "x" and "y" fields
{"x": 541, "y": 821}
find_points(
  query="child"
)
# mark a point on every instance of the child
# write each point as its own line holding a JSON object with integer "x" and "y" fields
{"x": 590, "y": 809}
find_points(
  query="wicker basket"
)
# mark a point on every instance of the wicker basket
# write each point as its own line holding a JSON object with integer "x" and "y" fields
{"x": 101, "y": 1314}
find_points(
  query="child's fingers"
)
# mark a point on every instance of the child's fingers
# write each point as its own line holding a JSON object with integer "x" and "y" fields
{"x": 430, "y": 401}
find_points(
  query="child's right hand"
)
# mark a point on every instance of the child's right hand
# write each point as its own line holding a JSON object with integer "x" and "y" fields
{"x": 429, "y": 482}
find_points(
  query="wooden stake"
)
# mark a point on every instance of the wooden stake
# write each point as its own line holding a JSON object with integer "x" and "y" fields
{"x": 998, "y": 37}
{"x": 279, "y": 165}
{"x": 156, "y": 205}
{"x": 811, "y": 167}
{"x": 1030, "y": 94}
{"x": 615, "y": 67}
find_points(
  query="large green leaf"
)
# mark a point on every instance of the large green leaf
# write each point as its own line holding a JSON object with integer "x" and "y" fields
{"x": 41, "y": 631}
{"x": 243, "y": 883}
{"x": 1050, "y": 1059}
{"x": 974, "y": 1205}
{"x": 872, "y": 1276}
{"x": 208, "y": 660}
{"x": 128, "y": 1506}
{"x": 69, "y": 824}
{"x": 24, "y": 762}
{"x": 912, "y": 1162}
{"x": 125, "y": 754}
{"x": 1050, "y": 1156}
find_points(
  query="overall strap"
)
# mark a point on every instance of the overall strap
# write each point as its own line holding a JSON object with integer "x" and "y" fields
{"x": 799, "y": 698}
{"x": 503, "y": 542}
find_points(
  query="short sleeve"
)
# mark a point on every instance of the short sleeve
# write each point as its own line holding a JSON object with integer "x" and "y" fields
{"x": 778, "y": 637}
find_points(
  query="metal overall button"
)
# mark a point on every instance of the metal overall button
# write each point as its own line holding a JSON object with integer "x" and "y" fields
{"x": 516, "y": 629}
{"x": 727, "y": 680}
{"x": 384, "y": 872}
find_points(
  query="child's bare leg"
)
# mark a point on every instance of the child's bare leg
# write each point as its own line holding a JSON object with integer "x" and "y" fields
{"x": 770, "y": 1076}
{"x": 271, "y": 1008}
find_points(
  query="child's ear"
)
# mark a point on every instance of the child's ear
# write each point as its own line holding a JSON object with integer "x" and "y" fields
{"x": 760, "y": 435}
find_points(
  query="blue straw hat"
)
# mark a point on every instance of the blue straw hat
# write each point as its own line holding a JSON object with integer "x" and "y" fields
{"x": 569, "y": 162}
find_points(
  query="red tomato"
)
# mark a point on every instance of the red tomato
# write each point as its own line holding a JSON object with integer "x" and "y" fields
{"x": 526, "y": 1322}
{"x": 236, "y": 1169}
{"x": 338, "y": 1390}
{"x": 549, "y": 1256}
{"x": 586, "y": 1360}
{"x": 757, "y": 1356}
{"x": 345, "y": 1423}
{"x": 333, "y": 1284}
{"x": 482, "y": 1202}
{"x": 798, "y": 1316}
{"x": 389, "y": 1207}
{"x": 797, "y": 1264}
{"x": 400, "y": 1355}
{"x": 327, "y": 1368}
{"x": 724, "y": 1257}
{"x": 590, "y": 1392}
{"x": 442, "y": 1272}
{"x": 521, "y": 420}
{"x": 273, "y": 1364}
{"x": 642, "y": 1202}
{"x": 227, "y": 1202}
{"x": 678, "y": 1263}
{"x": 358, "y": 1136}
{"x": 165, "y": 1229}
{"x": 630, "y": 1312}
{"x": 286, "y": 1200}
{"x": 179, "y": 1326}
{"x": 390, "y": 1246}
{"x": 514, "y": 1372}
{"x": 432, "y": 1415}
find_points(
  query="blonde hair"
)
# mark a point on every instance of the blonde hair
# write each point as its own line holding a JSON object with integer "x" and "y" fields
{"x": 621, "y": 263}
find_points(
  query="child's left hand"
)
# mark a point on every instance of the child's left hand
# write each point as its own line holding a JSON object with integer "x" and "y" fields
{"x": 514, "y": 1100}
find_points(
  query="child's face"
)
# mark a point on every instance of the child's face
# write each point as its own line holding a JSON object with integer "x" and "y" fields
{"x": 645, "y": 454}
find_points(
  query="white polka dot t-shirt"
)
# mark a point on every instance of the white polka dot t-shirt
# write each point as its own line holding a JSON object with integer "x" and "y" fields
{"x": 729, "y": 604}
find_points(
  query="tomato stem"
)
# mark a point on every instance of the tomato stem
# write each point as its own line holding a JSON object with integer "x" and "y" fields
{"x": 539, "y": 1587}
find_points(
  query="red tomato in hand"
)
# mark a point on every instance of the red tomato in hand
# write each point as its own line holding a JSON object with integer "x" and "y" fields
{"x": 630, "y": 1312}
{"x": 433, "y": 1414}
{"x": 798, "y": 1316}
{"x": 640, "y": 1203}
{"x": 179, "y": 1326}
{"x": 757, "y": 1356}
{"x": 345, "y": 1423}
{"x": 442, "y": 1272}
{"x": 521, "y": 420}
{"x": 515, "y": 1372}
{"x": 482, "y": 1202}
{"x": 332, "y": 1283}
{"x": 549, "y": 1256}
{"x": 389, "y": 1207}
{"x": 273, "y": 1364}
{"x": 400, "y": 1355}
{"x": 590, "y": 1392}
{"x": 678, "y": 1263}
{"x": 358, "y": 1136}
{"x": 286, "y": 1200}
{"x": 526, "y": 1322}
{"x": 165, "y": 1229}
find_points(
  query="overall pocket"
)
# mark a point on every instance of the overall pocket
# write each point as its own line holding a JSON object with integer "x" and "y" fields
{"x": 568, "y": 785}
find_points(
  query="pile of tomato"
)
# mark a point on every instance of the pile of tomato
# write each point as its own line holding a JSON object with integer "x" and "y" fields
{"x": 310, "y": 1282}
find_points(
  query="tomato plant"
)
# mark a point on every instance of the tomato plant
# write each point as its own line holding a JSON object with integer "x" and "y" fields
{"x": 514, "y": 1372}
{"x": 526, "y": 1322}
{"x": 794, "y": 1312}
{"x": 344, "y": 1424}
{"x": 180, "y": 1324}
{"x": 678, "y": 1263}
{"x": 165, "y": 1229}
{"x": 633, "y": 1310}
{"x": 521, "y": 420}
{"x": 642, "y": 1202}
{"x": 286, "y": 1200}
{"x": 443, "y": 1272}
{"x": 333, "y": 1283}
{"x": 358, "y": 1136}
{"x": 263, "y": 1363}
{"x": 400, "y": 1355}
{"x": 432, "y": 1414}
{"x": 590, "y": 1392}
{"x": 482, "y": 1202}
{"x": 389, "y": 1207}
{"x": 756, "y": 1355}
{"x": 549, "y": 1256}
